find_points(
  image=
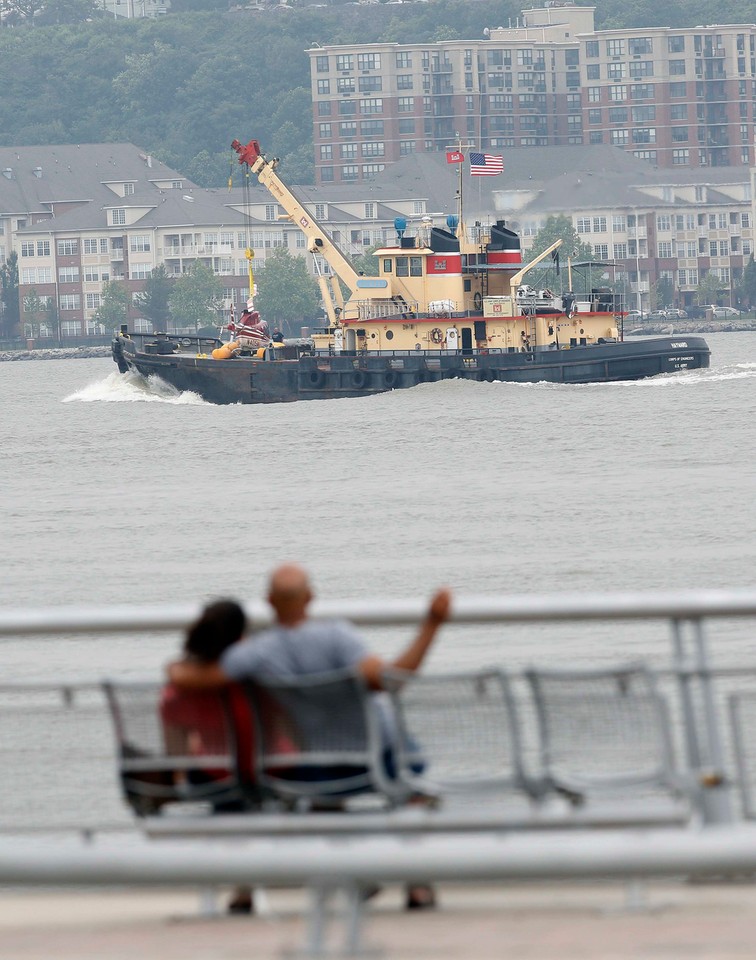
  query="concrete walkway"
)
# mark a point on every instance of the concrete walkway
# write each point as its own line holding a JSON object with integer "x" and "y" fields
{"x": 475, "y": 922}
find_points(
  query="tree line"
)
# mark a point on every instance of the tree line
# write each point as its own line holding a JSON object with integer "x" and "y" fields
{"x": 184, "y": 85}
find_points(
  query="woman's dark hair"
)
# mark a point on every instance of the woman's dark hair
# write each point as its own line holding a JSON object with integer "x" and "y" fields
{"x": 220, "y": 625}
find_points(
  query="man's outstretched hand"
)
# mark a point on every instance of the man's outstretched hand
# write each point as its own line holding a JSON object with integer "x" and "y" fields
{"x": 440, "y": 606}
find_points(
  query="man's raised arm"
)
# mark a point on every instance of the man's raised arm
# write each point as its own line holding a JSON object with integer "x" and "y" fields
{"x": 411, "y": 659}
{"x": 190, "y": 675}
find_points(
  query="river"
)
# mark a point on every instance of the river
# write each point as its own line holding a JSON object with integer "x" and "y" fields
{"x": 114, "y": 494}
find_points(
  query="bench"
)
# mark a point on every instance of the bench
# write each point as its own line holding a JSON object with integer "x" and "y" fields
{"x": 324, "y": 769}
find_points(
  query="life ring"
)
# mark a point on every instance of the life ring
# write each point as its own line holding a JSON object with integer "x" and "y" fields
{"x": 389, "y": 378}
{"x": 358, "y": 378}
{"x": 478, "y": 301}
{"x": 437, "y": 335}
{"x": 316, "y": 378}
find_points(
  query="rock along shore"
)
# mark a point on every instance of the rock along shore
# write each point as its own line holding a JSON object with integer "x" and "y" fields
{"x": 670, "y": 327}
{"x": 63, "y": 353}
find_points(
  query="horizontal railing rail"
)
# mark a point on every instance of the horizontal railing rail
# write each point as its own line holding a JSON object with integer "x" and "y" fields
{"x": 535, "y": 608}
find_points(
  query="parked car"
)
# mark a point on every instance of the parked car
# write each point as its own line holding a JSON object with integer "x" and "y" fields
{"x": 722, "y": 313}
{"x": 675, "y": 313}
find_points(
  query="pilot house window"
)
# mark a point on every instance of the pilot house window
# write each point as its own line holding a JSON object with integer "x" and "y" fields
{"x": 409, "y": 266}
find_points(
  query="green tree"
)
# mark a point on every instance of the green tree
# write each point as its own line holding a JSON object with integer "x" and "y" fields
{"x": 196, "y": 297}
{"x": 34, "y": 310}
{"x": 153, "y": 304}
{"x": 710, "y": 288}
{"x": 9, "y": 296}
{"x": 560, "y": 228}
{"x": 747, "y": 285}
{"x": 665, "y": 291}
{"x": 286, "y": 293}
{"x": 367, "y": 262}
{"x": 114, "y": 305}
{"x": 68, "y": 11}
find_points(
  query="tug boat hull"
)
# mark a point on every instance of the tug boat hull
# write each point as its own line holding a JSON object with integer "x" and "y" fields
{"x": 319, "y": 376}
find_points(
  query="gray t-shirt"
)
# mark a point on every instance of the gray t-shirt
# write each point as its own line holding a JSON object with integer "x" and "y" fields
{"x": 284, "y": 653}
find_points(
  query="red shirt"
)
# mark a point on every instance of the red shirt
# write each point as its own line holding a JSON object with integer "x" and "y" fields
{"x": 202, "y": 718}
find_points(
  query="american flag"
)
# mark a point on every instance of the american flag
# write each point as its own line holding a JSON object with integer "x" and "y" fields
{"x": 485, "y": 165}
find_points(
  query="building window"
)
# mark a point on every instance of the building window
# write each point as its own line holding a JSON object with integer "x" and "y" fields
{"x": 642, "y": 91}
{"x": 348, "y": 151}
{"x": 406, "y": 148}
{"x": 596, "y": 136}
{"x": 664, "y": 249}
{"x": 345, "y": 85}
{"x": 403, "y": 60}
{"x": 91, "y": 274}
{"x": 370, "y": 84}
{"x": 43, "y": 248}
{"x": 664, "y": 222}
{"x": 118, "y": 216}
{"x": 28, "y": 248}
{"x": 348, "y": 129}
{"x": 601, "y": 251}
{"x": 68, "y": 248}
{"x": 618, "y": 115}
{"x": 592, "y": 48}
{"x": 350, "y": 173}
{"x": 374, "y": 105}
{"x": 374, "y": 148}
{"x": 128, "y": 189}
{"x": 368, "y": 61}
{"x": 676, "y": 44}
{"x": 406, "y": 126}
{"x": 404, "y": 81}
{"x": 326, "y": 174}
{"x": 678, "y": 89}
{"x": 593, "y": 71}
{"x": 70, "y": 301}
{"x": 677, "y": 68}
{"x": 139, "y": 243}
{"x": 583, "y": 225}
{"x": 405, "y": 104}
{"x": 321, "y": 64}
{"x": 678, "y": 111}
{"x": 644, "y": 135}
{"x": 639, "y": 45}
{"x": 326, "y": 151}
{"x": 90, "y": 245}
{"x": 92, "y": 301}
{"x": 139, "y": 271}
{"x": 324, "y": 87}
{"x": 619, "y": 138}
{"x": 616, "y": 71}
{"x": 344, "y": 61}
{"x": 642, "y": 68}
{"x": 68, "y": 275}
{"x": 347, "y": 108}
{"x": 594, "y": 94}
{"x": 324, "y": 131}
{"x": 324, "y": 108}
{"x": 620, "y": 251}
{"x": 371, "y": 128}
{"x": 618, "y": 94}
{"x": 271, "y": 211}
{"x": 679, "y": 134}
{"x": 371, "y": 169}
{"x": 643, "y": 114}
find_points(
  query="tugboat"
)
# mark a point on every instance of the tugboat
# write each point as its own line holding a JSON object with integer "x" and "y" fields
{"x": 448, "y": 302}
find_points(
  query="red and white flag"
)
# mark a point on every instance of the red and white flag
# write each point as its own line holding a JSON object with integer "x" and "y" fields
{"x": 454, "y": 156}
{"x": 485, "y": 165}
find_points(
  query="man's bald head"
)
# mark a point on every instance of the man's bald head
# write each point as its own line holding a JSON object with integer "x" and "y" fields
{"x": 289, "y": 593}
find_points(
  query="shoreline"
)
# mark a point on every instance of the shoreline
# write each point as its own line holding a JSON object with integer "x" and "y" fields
{"x": 57, "y": 353}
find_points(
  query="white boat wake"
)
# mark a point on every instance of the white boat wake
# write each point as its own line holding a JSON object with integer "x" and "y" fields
{"x": 131, "y": 388}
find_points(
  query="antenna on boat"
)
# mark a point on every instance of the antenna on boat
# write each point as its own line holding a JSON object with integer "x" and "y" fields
{"x": 454, "y": 154}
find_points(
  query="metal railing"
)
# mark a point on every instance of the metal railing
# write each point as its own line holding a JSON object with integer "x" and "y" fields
{"x": 60, "y": 773}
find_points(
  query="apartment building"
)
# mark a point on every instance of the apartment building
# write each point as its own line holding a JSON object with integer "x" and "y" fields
{"x": 682, "y": 97}
{"x": 79, "y": 216}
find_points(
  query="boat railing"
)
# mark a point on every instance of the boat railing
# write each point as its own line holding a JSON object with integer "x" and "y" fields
{"x": 376, "y": 309}
{"x": 59, "y": 767}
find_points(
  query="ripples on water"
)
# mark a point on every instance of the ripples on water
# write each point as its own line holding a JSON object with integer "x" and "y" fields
{"x": 116, "y": 492}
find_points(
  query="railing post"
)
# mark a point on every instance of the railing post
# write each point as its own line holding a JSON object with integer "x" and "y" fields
{"x": 716, "y": 802}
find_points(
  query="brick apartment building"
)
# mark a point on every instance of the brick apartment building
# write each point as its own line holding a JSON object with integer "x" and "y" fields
{"x": 672, "y": 97}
